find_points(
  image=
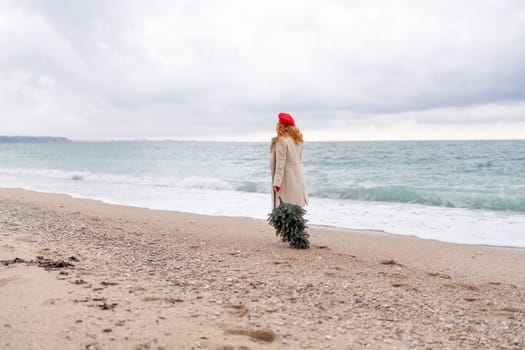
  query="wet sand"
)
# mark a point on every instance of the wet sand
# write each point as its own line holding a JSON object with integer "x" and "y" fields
{"x": 97, "y": 276}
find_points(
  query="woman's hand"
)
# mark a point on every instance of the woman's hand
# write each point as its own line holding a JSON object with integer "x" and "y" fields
{"x": 276, "y": 188}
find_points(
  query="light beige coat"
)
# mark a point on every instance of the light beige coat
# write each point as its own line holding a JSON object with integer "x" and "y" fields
{"x": 287, "y": 173}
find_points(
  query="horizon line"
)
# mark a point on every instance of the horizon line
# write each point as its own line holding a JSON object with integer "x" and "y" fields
{"x": 198, "y": 139}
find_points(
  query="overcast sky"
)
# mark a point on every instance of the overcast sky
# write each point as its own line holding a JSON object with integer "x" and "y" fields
{"x": 186, "y": 69}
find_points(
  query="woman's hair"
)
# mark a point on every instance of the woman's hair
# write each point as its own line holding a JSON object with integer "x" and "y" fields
{"x": 288, "y": 130}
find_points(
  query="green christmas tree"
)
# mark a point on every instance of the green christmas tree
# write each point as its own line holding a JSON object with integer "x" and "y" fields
{"x": 288, "y": 220}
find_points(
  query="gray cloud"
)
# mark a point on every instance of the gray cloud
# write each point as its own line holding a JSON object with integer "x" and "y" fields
{"x": 204, "y": 69}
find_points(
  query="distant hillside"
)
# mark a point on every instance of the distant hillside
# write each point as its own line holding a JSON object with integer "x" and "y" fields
{"x": 31, "y": 139}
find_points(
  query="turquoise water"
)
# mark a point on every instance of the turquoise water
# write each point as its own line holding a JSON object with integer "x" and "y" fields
{"x": 469, "y": 174}
{"x": 477, "y": 180}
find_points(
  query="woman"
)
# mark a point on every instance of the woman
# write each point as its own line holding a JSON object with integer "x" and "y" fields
{"x": 285, "y": 163}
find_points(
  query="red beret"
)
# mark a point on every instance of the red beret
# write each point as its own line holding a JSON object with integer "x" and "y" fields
{"x": 285, "y": 118}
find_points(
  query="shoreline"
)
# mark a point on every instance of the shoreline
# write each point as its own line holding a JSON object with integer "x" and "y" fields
{"x": 160, "y": 279}
{"x": 317, "y": 226}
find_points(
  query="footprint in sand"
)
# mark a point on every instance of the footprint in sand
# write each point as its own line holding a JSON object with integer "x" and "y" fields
{"x": 267, "y": 336}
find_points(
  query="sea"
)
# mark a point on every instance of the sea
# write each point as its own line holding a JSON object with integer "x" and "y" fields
{"x": 470, "y": 192}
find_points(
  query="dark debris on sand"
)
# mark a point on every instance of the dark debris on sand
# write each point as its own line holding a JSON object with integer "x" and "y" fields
{"x": 40, "y": 261}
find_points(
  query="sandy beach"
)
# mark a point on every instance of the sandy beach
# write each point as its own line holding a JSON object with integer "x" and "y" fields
{"x": 90, "y": 275}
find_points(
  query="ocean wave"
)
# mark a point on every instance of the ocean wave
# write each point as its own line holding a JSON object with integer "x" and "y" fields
{"x": 448, "y": 199}
{"x": 467, "y": 196}
{"x": 253, "y": 187}
{"x": 63, "y": 176}
{"x": 70, "y": 175}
